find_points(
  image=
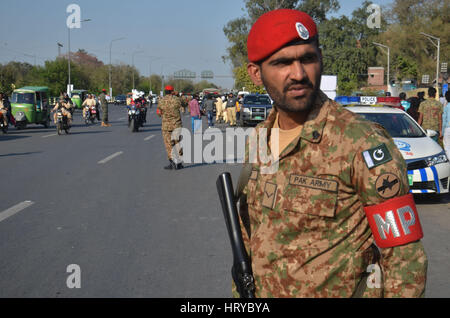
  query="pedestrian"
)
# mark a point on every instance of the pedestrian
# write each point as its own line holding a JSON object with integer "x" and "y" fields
{"x": 239, "y": 106}
{"x": 224, "y": 109}
{"x": 446, "y": 124}
{"x": 209, "y": 108}
{"x": 104, "y": 106}
{"x": 421, "y": 96}
{"x": 413, "y": 110}
{"x": 405, "y": 104}
{"x": 219, "y": 105}
{"x": 194, "y": 109}
{"x": 231, "y": 109}
{"x": 442, "y": 100}
{"x": 169, "y": 108}
{"x": 4, "y": 110}
{"x": 312, "y": 224}
{"x": 431, "y": 114}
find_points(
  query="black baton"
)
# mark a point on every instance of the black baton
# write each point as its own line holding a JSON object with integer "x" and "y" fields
{"x": 241, "y": 270}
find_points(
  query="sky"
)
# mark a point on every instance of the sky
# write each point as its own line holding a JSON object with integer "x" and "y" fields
{"x": 162, "y": 36}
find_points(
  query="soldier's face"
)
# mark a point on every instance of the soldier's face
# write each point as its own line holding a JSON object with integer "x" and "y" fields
{"x": 291, "y": 76}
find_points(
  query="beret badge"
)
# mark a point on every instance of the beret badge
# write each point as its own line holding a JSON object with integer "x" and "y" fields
{"x": 302, "y": 31}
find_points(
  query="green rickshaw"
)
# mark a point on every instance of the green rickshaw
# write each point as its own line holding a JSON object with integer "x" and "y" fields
{"x": 29, "y": 105}
{"x": 78, "y": 97}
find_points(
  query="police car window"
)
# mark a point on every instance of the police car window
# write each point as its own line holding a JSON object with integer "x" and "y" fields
{"x": 397, "y": 125}
{"x": 257, "y": 100}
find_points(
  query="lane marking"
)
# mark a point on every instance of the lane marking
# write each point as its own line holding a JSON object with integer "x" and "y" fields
{"x": 15, "y": 209}
{"x": 149, "y": 137}
{"x": 122, "y": 118}
{"x": 46, "y": 136}
{"x": 110, "y": 157}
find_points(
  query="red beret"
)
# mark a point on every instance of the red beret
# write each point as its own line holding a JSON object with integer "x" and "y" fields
{"x": 274, "y": 29}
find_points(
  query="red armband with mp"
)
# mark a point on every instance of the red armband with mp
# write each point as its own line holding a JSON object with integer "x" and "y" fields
{"x": 394, "y": 222}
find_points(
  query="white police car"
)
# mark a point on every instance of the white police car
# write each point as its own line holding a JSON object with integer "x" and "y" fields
{"x": 428, "y": 166}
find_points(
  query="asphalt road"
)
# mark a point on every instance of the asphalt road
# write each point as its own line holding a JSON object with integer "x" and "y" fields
{"x": 99, "y": 198}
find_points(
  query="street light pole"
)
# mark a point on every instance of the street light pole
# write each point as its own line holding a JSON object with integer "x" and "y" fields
{"x": 388, "y": 61}
{"x": 110, "y": 47}
{"x": 438, "y": 45}
{"x": 132, "y": 62}
{"x": 69, "y": 88}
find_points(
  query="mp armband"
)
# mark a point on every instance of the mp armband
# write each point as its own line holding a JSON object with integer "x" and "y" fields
{"x": 394, "y": 222}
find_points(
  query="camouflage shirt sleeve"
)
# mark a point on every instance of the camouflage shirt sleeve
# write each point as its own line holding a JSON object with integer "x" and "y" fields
{"x": 404, "y": 267}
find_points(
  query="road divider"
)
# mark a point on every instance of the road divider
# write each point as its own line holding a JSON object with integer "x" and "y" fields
{"x": 15, "y": 209}
{"x": 110, "y": 157}
{"x": 149, "y": 137}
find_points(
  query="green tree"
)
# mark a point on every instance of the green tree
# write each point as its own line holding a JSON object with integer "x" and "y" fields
{"x": 242, "y": 79}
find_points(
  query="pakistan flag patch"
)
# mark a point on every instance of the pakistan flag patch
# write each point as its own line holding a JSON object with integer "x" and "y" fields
{"x": 376, "y": 156}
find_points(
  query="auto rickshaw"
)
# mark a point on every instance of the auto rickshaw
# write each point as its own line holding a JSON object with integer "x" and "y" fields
{"x": 78, "y": 97}
{"x": 29, "y": 105}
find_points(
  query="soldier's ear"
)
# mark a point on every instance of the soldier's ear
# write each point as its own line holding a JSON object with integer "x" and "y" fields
{"x": 254, "y": 71}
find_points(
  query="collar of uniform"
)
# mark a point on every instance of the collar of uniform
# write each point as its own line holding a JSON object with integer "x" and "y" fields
{"x": 317, "y": 118}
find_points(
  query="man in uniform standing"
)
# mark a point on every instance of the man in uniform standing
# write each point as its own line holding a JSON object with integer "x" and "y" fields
{"x": 104, "y": 105}
{"x": 430, "y": 114}
{"x": 219, "y": 106}
{"x": 169, "y": 109}
{"x": 341, "y": 184}
{"x": 231, "y": 109}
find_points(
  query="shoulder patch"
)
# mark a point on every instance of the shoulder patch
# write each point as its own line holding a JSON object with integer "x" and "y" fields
{"x": 376, "y": 156}
{"x": 387, "y": 185}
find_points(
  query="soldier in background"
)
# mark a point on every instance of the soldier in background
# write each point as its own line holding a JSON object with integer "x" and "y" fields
{"x": 169, "y": 108}
{"x": 104, "y": 105}
{"x": 430, "y": 114}
{"x": 312, "y": 224}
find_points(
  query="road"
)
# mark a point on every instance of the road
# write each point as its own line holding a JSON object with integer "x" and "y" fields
{"x": 100, "y": 198}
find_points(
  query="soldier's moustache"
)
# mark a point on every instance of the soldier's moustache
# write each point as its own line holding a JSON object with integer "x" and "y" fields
{"x": 304, "y": 83}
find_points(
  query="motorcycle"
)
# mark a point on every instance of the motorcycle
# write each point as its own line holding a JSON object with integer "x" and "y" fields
{"x": 90, "y": 114}
{"x": 2, "y": 124}
{"x": 62, "y": 123}
{"x": 134, "y": 118}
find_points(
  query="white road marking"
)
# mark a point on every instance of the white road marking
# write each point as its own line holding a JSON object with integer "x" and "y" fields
{"x": 121, "y": 118}
{"x": 110, "y": 157}
{"x": 149, "y": 137}
{"x": 46, "y": 136}
{"x": 15, "y": 209}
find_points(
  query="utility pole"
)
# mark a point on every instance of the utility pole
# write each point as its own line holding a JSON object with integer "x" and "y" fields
{"x": 438, "y": 45}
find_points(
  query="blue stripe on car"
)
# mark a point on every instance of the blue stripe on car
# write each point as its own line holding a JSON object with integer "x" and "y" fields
{"x": 423, "y": 176}
{"x": 436, "y": 179}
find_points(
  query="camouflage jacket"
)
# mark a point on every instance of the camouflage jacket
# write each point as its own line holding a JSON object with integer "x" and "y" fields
{"x": 432, "y": 112}
{"x": 306, "y": 230}
{"x": 170, "y": 107}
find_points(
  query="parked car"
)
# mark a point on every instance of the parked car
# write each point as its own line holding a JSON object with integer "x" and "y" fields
{"x": 120, "y": 100}
{"x": 427, "y": 164}
{"x": 255, "y": 108}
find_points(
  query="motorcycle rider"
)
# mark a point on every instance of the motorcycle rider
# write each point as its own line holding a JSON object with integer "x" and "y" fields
{"x": 65, "y": 108}
{"x": 87, "y": 104}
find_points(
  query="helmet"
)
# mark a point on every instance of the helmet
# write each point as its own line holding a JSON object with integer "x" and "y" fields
{"x": 104, "y": 90}
{"x": 169, "y": 88}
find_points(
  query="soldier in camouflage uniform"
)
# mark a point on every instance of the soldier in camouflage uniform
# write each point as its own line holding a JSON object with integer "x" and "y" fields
{"x": 104, "y": 105}
{"x": 169, "y": 109}
{"x": 431, "y": 111}
{"x": 310, "y": 227}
